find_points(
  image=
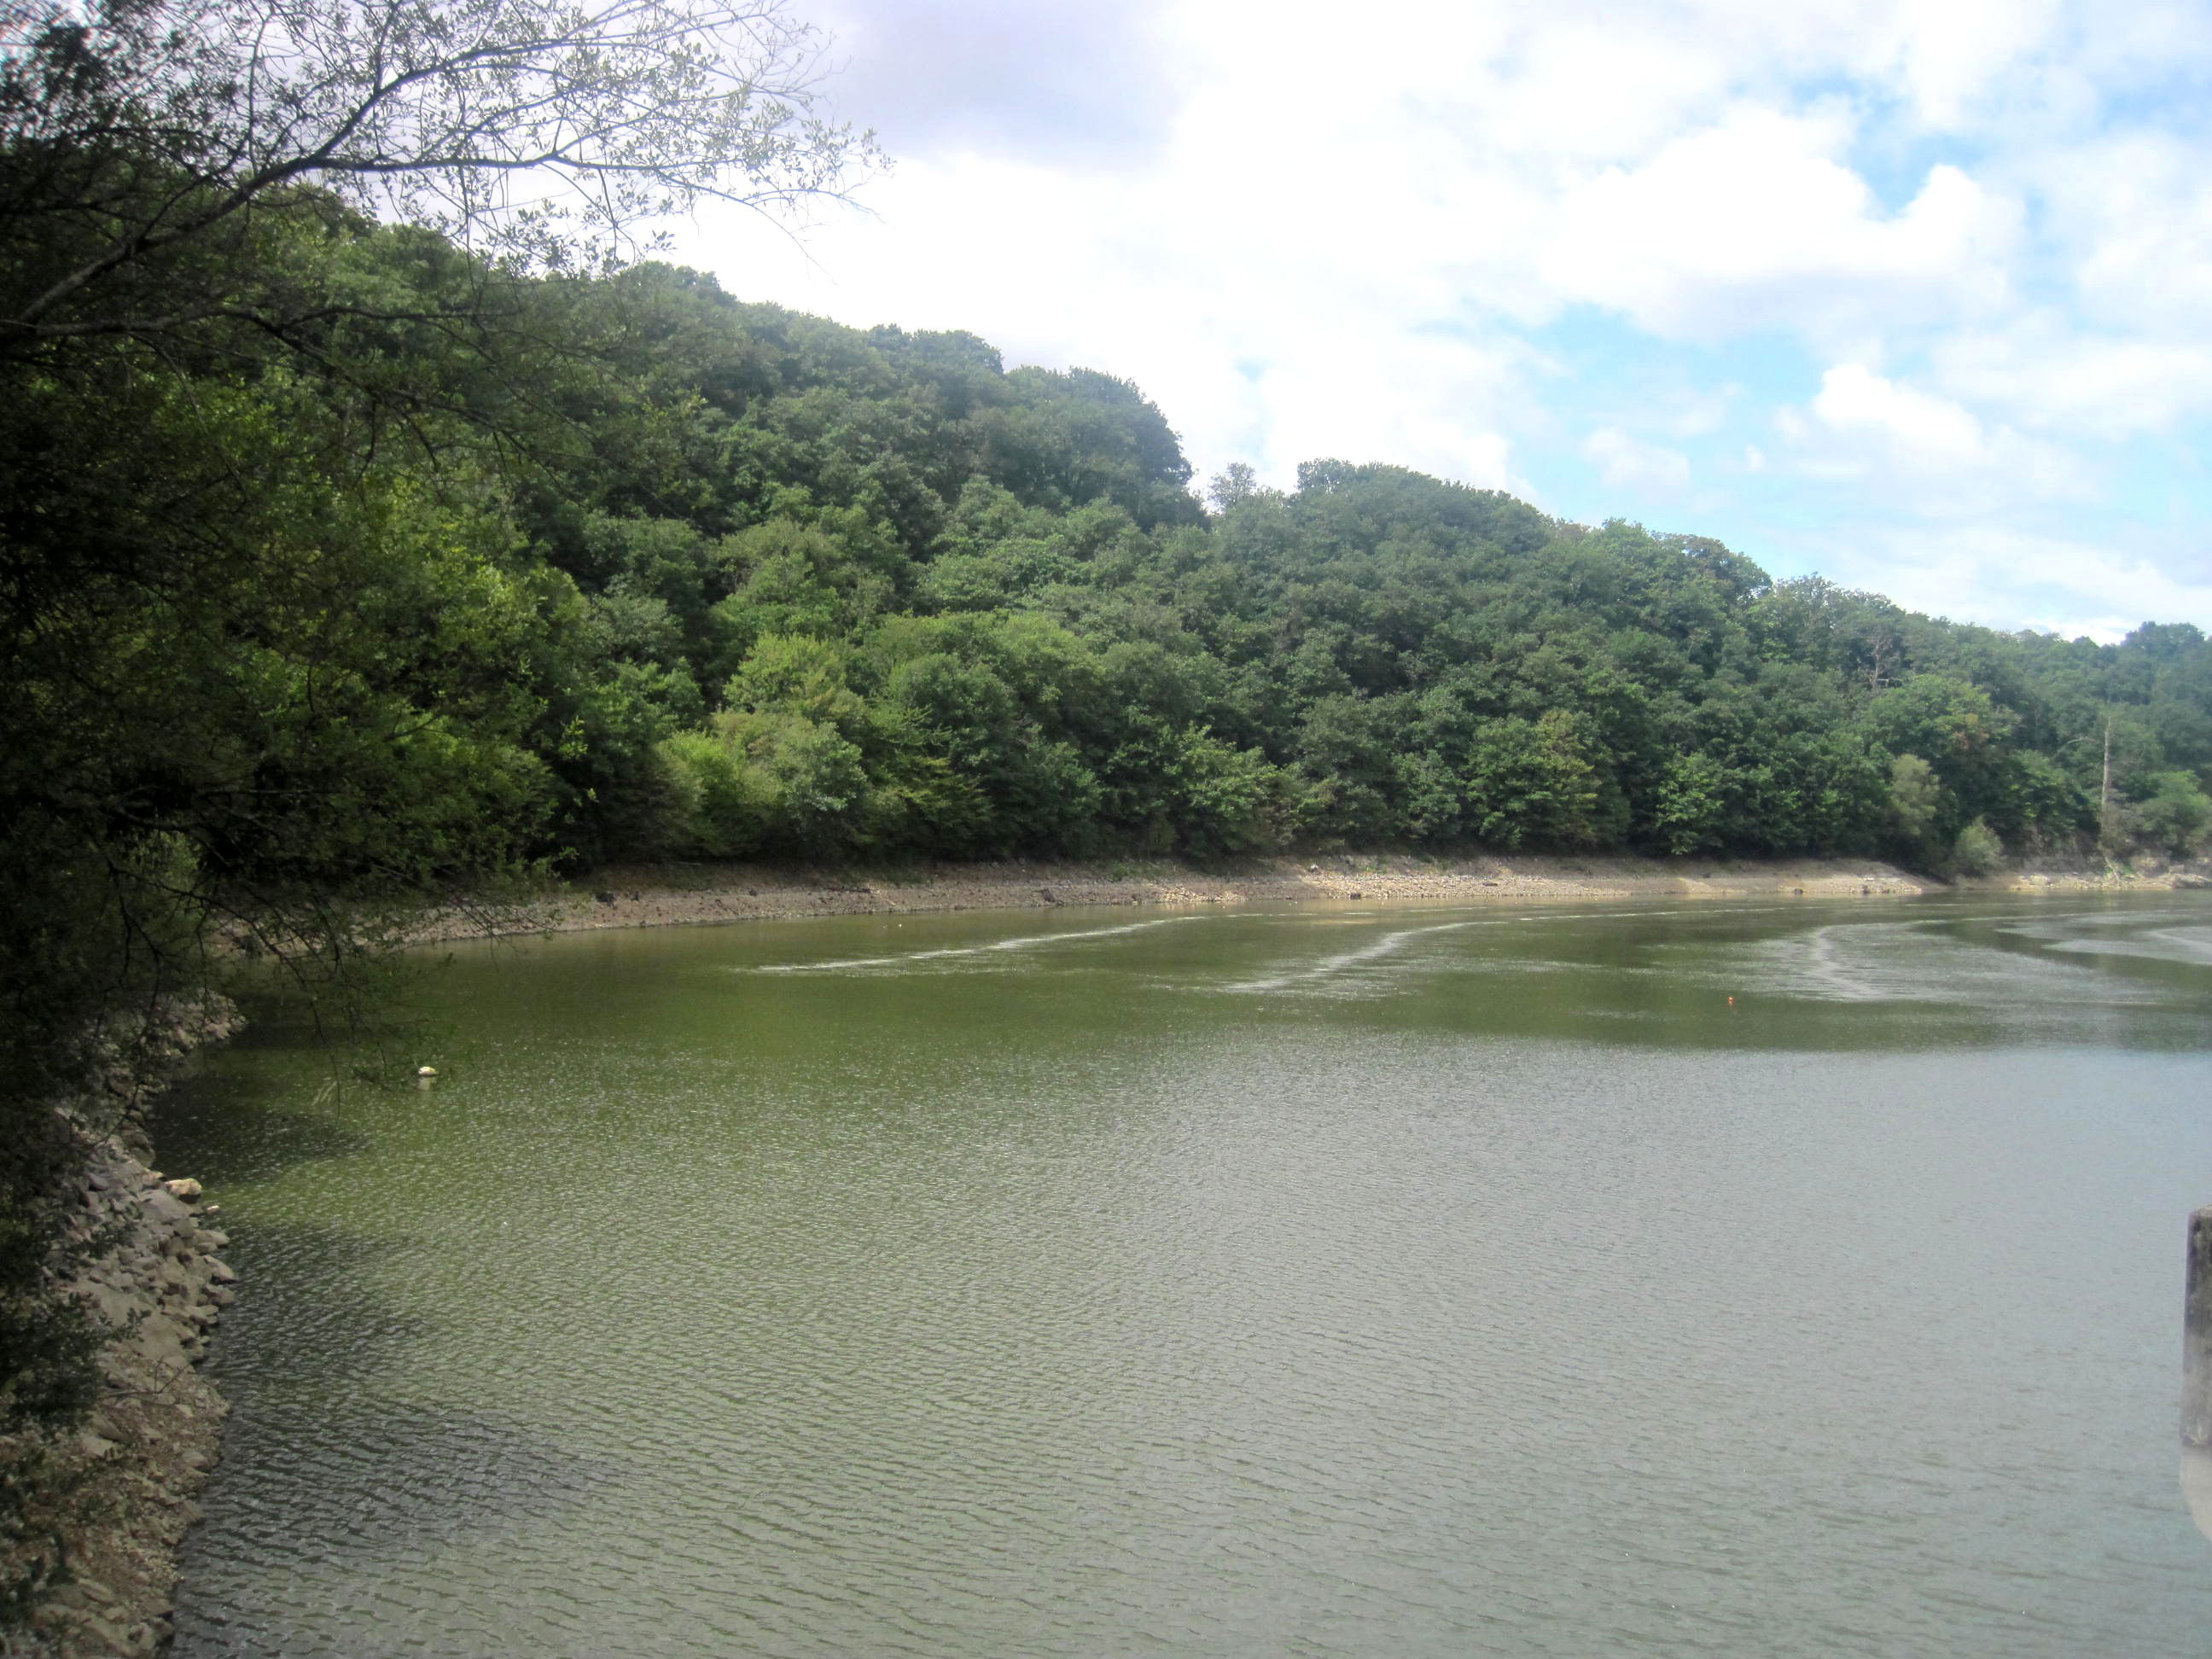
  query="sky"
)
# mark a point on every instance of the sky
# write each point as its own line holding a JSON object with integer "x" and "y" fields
{"x": 1916, "y": 296}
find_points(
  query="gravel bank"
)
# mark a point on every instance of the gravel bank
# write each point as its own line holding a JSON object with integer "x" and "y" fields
{"x": 663, "y": 895}
{"x": 655, "y": 896}
{"x": 121, "y": 1490}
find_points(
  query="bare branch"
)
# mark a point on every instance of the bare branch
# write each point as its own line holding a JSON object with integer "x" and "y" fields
{"x": 149, "y": 126}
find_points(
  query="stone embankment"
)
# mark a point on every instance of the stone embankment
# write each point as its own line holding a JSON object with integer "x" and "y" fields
{"x": 662, "y": 895}
{"x": 120, "y": 1490}
{"x": 655, "y": 896}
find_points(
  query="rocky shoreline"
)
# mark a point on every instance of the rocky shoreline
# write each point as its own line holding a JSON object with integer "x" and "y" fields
{"x": 652, "y": 895}
{"x": 123, "y": 1486}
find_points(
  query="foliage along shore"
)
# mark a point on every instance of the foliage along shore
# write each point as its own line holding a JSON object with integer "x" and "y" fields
{"x": 654, "y": 896}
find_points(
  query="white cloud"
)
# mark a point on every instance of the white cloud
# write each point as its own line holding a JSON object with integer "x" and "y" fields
{"x": 1914, "y": 426}
{"x": 1639, "y": 468}
{"x": 2065, "y": 379}
{"x": 2012, "y": 579}
{"x": 1950, "y": 55}
{"x": 1755, "y": 223}
{"x": 2131, "y": 216}
{"x": 1864, "y": 428}
{"x": 1084, "y": 81}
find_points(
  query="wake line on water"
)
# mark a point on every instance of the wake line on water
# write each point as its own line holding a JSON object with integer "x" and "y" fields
{"x": 1027, "y": 941}
{"x": 1390, "y": 943}
{"x": 2190, "y": 947}
{"x": 1856, "y": 962}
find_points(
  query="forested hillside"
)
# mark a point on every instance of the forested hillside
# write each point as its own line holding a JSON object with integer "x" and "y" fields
{"x": 844, "y": 592}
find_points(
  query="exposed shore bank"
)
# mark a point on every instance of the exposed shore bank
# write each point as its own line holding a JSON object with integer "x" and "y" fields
{"x": 649, "y": 896}
{"x": 119, "y": 1491}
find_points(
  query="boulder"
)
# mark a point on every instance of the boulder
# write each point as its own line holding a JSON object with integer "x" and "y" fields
{"x": 165, "y": 1209}
{"x": 184, "y": 1188}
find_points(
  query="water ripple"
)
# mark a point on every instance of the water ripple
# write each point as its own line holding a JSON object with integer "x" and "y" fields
{"x": 1091, "y": 1312}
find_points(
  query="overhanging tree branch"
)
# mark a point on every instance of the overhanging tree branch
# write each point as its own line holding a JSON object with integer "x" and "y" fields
{"x": 544, "y": 137}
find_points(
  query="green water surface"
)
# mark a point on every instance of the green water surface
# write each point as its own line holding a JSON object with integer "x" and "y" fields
{"x": 1344, "y": 1281}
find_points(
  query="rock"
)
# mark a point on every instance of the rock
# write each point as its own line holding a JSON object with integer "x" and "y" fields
{"x": 222, "y": 1271}
{"x": 165, "y": 1209}
{"x": 186, "y": 1188}
{"x": 2191, "y": 882}
{"x": 160, "y": 1329}
{"x": 213, "y": 1238}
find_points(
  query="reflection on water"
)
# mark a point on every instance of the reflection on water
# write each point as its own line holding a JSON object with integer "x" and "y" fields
{"x": 1356, "y": 1282}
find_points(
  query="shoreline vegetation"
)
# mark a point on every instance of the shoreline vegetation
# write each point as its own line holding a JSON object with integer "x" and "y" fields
{"x": 686, "y": 895}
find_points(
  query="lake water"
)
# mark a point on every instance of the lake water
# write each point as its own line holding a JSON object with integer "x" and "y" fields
{"x": 1344, "y": 1281}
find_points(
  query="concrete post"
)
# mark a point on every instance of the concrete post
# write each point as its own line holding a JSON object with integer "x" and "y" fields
{"x": 2196, "y": 1374}
{"x": 2197, "y": 1335}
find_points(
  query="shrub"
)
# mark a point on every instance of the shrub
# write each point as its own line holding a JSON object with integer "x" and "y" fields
{"x": 1978, "y": 851}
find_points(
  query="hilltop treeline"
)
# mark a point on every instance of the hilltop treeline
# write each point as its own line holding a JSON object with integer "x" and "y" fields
{"x": 625, "y": 569}
{"x": 893, "y": 599}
